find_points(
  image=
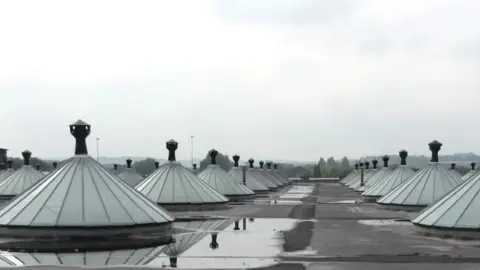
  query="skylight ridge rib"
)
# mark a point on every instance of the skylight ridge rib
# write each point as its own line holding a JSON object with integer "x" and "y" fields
{"x": 427, "y": 177}
{"x": 468, "y": 205}
{"x": 83, "y": 197}
{"x": 415, "y": 184}
{"x": 192, "y": 187}
{"x": 165, "y": 170}
{"x": 205, "y": 190}
{"x": 206, "y": 187}
{"x": 101, "y": 199}
{"x": 64, "y": 198}
{"x": 441, "y": 202}
{"x": 113, "y": 193}
{"x": 134, "y": 202}
{"x": 449, "y": 177}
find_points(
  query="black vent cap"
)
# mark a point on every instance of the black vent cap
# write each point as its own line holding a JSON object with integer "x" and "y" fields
{"x": 435, "y": 147}
{"x": 213, "y": 156}
{"x": 236, "y": 159}
{"x": 172, "y": 146}
{"x": 26, "y": 157}
{"x": 250, "y": 162}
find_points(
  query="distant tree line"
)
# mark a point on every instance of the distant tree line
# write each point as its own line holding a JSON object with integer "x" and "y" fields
{"x": 323, "y": 168}
{"x": 332, "y": 168}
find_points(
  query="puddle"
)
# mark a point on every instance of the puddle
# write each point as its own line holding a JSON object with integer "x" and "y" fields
{"x": 306, "y": 252}
{"x": 277, "y": 202}
{"x": 346, "y": 202}
{"x": 207, "y": 244}
{"x": 300, "y": 190}
{"x": 293, "y": 196}
{"x": 384, "y": 222}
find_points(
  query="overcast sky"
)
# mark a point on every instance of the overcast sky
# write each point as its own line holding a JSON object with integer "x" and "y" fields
{"x": 276, "y": 79}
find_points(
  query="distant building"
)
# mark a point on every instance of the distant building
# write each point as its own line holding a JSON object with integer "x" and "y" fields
{"x": 3, "y": 155}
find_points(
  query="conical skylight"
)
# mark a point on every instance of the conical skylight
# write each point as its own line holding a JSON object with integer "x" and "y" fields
{"x": 20, "y": 180}
{"x": 8, "y": 172}
{"x": 79, "y": 197}
{"x": 257, "y": 174}
{"x": 272, "y": 178}
{"x": 367, "y": 174}
{"x": 380, "y": 175}
{"x": 467, "y": 176}
{"x": 173, "y": 186}
{"x": 130, "y": 175}
{"x": 251, "y": 182}
{"x": 357, "y": 176}
{"x": 425, "y": 187}
{"x": 397, "y": 177}
{"x": 277, "y": 173}
{"x": 456, "y": 210}
{"x": 127, "y": 257}
{"x": 453, "y": 172}
{"x": 223, "y": 182}
{"x": 350, "y": 175}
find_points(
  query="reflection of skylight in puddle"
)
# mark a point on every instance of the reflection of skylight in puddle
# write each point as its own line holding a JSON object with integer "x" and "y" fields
{"x": 256, "y": 246}
{"x": 346, "y": 202}
{"x": 384, "y": 222}
{"x": 289, "y": 202}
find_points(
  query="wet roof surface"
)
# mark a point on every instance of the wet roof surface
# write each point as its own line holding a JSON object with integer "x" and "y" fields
{"x": 309, "y": 233}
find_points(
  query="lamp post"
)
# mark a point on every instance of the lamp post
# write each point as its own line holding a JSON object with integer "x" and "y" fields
{"x": 361, "y": 174}
{"x": 191, "y": 145}
{"x": 98, "y": 155}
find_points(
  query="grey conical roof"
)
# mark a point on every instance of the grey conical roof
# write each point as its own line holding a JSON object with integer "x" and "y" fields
{"x": 223, "y": 182}
{"x": 454, "y": 173}
{"x": 172, "y": 184}
{"x": 20, "y": 181}
{"x": 255, "y": 172}
{"x": 127, "y": 257}
{"x": 196, "y": 230}
{"x": 357, "y": 177}
{"x": 456, "y": 210}
{"x": 347, "y": 178}
{"x": 284, "y": 179}
{"x": 5, "y": 174}
{"x": 272, "y": 178}
{"x": 130, "y": 175}
{"x": 251, "y": 182}
{"x": 425, "y": 187}
{"x": 367, "y": 174}
{"x": 81, "y": 194}
{"x": 465, "y": 177}
{"x": 397, "y": 177}
{"x": 375, "y": 178}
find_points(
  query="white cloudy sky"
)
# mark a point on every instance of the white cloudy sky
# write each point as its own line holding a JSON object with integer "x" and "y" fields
{"x": 280, "y": 79}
